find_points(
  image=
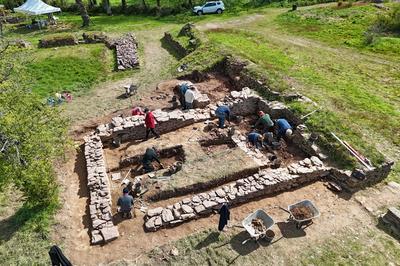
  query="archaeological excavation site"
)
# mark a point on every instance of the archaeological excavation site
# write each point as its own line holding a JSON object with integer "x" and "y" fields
{"x": 202, "y": 166}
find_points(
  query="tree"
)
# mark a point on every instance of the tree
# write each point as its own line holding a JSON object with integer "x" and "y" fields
{"x": 83, "y": 12}
{"x": 158, "y": 7}
{"x": 107, "y": 7}
{"x": 123, "y": 5}
{"x": 32, "y": 135}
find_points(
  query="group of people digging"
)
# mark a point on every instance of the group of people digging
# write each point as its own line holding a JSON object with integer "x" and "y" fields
{"x": 271, "y": 131}
{"x": 265, "y": 131}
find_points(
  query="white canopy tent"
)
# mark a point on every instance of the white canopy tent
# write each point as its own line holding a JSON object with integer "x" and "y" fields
{"x": 36, "y": 7}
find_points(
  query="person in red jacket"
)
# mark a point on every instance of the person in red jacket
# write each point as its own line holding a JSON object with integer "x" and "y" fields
{"x": 137, "y": 111}
{"x": 150, "y": 123}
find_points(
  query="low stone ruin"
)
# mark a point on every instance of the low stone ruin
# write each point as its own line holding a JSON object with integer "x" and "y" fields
{"x": 233, "y": 189}
{"x": 256, "y": 155}
{"x": 133, "y": 128}
{"x": 103, "y": 229}
{"x": 126, "y": 51}
{"x": 392, "y": 219}
{"x": 265, "y": 182}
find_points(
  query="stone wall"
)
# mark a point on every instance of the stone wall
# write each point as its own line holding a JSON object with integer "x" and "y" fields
{"x": 361, "y": 178}
{"x": 241, "y": 76}
{"x": 126, "y": 51}
{"x": 202, "y": 186}
{"x": 58, "y": 40}
{"x": 103, "y": 229}
{"x": 94, "y": 37}
{"x": 133, "y": 128}
{"x": 175, "y": 44}
{"x": 265, "y": 182}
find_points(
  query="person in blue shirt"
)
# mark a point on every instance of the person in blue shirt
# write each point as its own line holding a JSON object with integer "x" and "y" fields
{"x": 223, "y": 112}
{"x": 284, "y": 129}
{"x": 255, "y": 139}
{"x": 182, "y": 90}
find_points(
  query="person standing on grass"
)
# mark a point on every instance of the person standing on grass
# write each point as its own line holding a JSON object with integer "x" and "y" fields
{"x": 265, "y": 121}
{"x": 189, "y": 97}
{"x": 150, "y": 123}
{"x": 125, "y": 204}
{"x": 223, "y": 112}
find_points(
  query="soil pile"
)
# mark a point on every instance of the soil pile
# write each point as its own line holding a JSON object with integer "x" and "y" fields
{"x": 302, "y": 213}
{"x": 258, "y": 226}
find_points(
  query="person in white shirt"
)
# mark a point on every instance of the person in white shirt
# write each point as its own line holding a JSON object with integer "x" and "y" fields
{"x": 189, "y": 98}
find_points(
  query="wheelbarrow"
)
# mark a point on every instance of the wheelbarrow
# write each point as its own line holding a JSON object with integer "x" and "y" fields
{"x": 302, "y": 219}
{"x": 266, "y": 220}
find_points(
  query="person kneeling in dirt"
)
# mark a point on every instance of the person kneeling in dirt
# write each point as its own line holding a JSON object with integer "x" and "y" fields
{"x": 283, "y": 128}
{"x": 150, "y": 123}
{"x": 125, "y": 203}
{"x": 255, "y": 139}
{"x": 137, "y": 111}
{"x": 149, "y": 157}
{"x": 264, "y": 121}
{"x": 223, "y": 112}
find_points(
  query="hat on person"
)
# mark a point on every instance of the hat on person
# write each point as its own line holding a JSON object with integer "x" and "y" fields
{"x": 288, "y": 133}
{"x": 125, "y": 190}
{"x": 261, "y": 113}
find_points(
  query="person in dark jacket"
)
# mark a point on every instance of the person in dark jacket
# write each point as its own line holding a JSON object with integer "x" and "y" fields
{"x": 224, "y": 216}
{"x": 149, "y": 157}
{"x": 125, "y": 203}
{"x": 57, "y": 257}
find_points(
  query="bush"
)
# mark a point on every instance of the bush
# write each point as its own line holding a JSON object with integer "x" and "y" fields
{"x": 389, "y": 22}
{"x": 58, "y": 40}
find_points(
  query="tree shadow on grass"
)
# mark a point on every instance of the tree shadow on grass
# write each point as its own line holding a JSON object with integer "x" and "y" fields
{"x": 27, "y": 213}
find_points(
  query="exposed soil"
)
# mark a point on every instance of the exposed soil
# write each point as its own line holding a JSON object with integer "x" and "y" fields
{"x": 219, "y": 147}
{"x": 301, "y": 213}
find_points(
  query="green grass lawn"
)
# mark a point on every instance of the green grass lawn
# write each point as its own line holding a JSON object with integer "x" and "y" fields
{"x": 74, "y": 69}
{"x": 359, "y": 92}
{"x": 340, "y": 26}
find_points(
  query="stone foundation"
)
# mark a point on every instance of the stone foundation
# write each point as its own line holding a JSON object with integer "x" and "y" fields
{"x": 126, "y": 51}
{"x": 358, "y": 179}
{"x": 263, "y": 183}
{"x": 133, "y": 128}
{"x": 103, "y": 229}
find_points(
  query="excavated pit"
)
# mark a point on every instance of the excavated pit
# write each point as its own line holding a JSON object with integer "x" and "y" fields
{"x": 214, "y": 86}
